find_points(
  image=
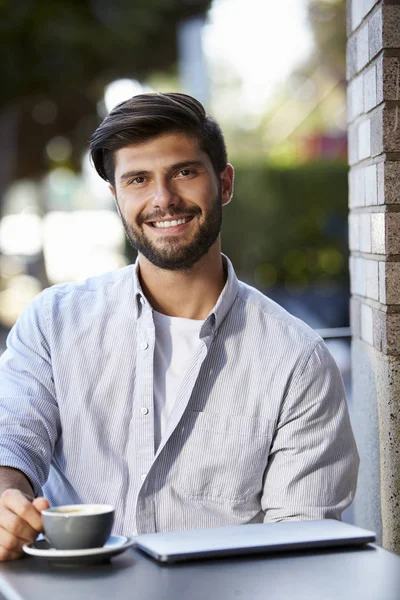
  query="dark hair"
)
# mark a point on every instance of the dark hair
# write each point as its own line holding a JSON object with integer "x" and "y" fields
{"x": 147, "y": 116}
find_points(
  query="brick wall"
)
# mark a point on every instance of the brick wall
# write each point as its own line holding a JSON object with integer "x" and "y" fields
{"x": 373, "y": 71}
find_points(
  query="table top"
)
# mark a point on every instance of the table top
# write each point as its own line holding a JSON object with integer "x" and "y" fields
{"x": 368, "y": 573}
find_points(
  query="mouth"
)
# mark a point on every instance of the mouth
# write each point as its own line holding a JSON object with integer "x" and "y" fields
{"x": 170, "y": 223}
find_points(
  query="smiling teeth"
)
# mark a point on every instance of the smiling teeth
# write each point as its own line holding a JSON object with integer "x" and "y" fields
{"x": 170, "y": 223}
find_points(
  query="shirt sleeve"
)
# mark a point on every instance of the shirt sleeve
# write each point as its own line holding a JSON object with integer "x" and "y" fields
{"x": 29, "y": 416}
{"x": 313, "y": 463}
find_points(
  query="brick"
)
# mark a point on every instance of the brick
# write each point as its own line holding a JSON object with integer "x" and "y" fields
{"x": 355, "y": 98}
{"x": 386, "y": 78}
{"x": 352, "y": 137}
{"x": 367, "y": 324}
{"x": 357, "y": 14}
{"x": 356, "y": 187}
{"x": 350, "y": 111}
{"x": 375, "y": 33}
{"x": 391, "y": 182}
{"x": 391, "y": 26}
{"x": 372, "y": 279}
{"x": 369, "y": 4}
{"x": 393, "y": 233}
{"x": 354, "y": 232}
{"x": 382, "y": 282}
{"x": 364, "y": 139}
{"x": 362, "y": 47}
{"x": 371, "y": 185}
{"x": 379, "y": 79}
{"x": 392, "y": 345}
{"x": 359, "y": 9}
{"x": 380, "y": 170}
{"x": 378, "y": 233}
{"x": 357, "y": 272}
{"x": 392, "y": 279}
{"x": 365, "y": 232}
{"x": 376, "y": 132}
{"x": 379, "y": 326}
{"x": 391, "y": 130}
{"x": 351, "y": 58}
{"x": 355, "y": 317}
{"x": 370, "y": 98}
{"x": 350, "y": 179}
{"x": 352, "y": 270}
{"x": 390, "y": 66}
{"x": 349, "y": 27}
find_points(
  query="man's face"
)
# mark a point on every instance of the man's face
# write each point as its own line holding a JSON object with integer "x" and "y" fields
{"x": 170, "y": 199}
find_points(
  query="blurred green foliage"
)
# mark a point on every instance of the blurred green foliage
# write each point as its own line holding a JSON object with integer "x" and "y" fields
{"x": 327, "y": 19}
{"x": 46, "y": 44}
{"x": 57, "y": 56}
{"x": 288, "y": 225}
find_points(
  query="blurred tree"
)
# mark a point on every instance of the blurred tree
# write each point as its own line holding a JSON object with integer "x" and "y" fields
{"x": 327, "y": 19}
{"x": 288, "y": 225}
{"x": 57, "y": 56}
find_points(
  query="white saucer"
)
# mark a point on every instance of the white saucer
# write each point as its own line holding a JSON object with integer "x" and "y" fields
{"x": 116, "y": 544}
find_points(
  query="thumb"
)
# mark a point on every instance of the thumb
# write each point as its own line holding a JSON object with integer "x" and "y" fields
{"x": 41, "y": 504}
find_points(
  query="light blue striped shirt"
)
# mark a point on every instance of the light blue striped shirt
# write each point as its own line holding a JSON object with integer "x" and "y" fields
{"x": 259, "y": 432}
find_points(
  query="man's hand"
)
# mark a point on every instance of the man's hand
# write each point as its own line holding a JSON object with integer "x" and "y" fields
{"x": 20, "y": 522}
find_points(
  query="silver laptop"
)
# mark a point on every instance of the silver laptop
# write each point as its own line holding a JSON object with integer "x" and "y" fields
{"x": 176, "y": 546}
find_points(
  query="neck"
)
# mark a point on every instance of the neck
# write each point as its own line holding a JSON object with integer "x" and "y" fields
{"x": 190, "y": 294}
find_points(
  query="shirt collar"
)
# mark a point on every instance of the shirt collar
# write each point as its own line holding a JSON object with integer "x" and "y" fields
{"x": 226, "y": 297}
{"x": 140, "y": 298}
{"x": 216, "y": 315}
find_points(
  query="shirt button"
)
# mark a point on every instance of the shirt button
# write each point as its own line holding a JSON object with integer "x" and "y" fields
{"x": 143, "y": 476}
{"x": 144, "y": 410}
{"x": 144, "y": 345}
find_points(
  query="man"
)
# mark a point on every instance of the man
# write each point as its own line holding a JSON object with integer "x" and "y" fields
{"x": 169, "y": 389}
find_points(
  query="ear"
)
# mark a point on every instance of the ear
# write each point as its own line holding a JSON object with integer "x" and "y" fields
{"x": 227, "y": 178}
{"x": 112, "y": 190}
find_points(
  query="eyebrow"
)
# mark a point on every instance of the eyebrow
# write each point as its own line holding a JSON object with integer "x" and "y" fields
{"x": 180, "y": 165}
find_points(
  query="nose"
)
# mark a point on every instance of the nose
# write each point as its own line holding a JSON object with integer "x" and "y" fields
{"x": 164, "y": 195}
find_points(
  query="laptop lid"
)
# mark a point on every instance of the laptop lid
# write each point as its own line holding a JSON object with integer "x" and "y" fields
{"x": 175, "y": 546}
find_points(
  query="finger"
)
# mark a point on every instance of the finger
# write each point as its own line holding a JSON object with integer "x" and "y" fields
{"x": 10, "y": 542}
{"x": 14, "y": 525}
{"x": 16, "y": 502}
{"x": 41, "y": 503}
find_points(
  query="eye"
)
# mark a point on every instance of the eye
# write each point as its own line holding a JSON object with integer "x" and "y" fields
{"x": 186, "y": 173}
{"x": 137, "y": 180}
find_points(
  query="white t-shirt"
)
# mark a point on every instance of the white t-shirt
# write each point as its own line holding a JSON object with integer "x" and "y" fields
{"x": 177, "y": 340}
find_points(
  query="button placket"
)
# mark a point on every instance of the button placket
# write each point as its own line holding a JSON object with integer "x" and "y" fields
{"x": 144, "y": 422}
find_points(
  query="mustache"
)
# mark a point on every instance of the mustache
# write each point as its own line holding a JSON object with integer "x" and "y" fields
{"x": 171, "y": 212}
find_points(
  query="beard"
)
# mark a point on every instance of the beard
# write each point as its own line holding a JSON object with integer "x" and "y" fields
{"x": 174, "y": 253}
